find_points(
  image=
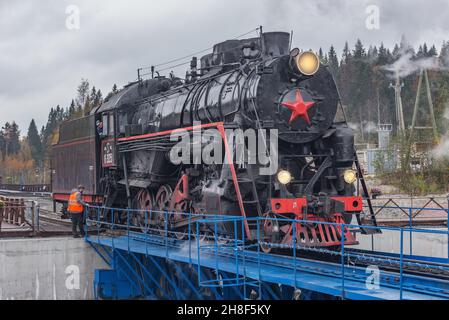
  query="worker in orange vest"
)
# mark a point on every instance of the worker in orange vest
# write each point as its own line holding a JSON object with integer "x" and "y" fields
{"x": 76, "y": 210}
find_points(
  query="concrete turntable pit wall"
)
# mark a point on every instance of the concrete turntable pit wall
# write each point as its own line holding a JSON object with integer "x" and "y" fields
{"x": 47, "y": 269}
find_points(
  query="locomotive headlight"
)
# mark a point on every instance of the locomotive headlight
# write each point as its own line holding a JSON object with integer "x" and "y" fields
{"x": 284, "y": 177}
{"x": 350, "y": 176}
{"x": 307, "y": 63}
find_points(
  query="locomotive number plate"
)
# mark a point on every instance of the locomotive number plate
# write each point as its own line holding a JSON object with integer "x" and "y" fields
{"x": 108, "y": 154}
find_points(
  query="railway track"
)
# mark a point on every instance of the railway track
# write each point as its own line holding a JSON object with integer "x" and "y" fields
{"x": 25, "y": 194}
{"x": 365, "y": 258}
{"x": 51, "y": 217}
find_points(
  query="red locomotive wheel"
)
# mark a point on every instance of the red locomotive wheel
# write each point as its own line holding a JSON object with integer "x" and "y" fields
{"x": 268, "y": 230}
{"x": 144, "y": 203}
{"x": 202, "y": 233}
{"x": 184, "y": 206}
{"x": 162, "y": 205}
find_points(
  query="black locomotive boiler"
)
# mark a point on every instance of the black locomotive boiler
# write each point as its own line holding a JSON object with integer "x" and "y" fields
{"x": 121, "y": 151}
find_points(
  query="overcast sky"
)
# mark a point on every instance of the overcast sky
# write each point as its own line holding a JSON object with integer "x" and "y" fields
{"x": 42, "y": 61}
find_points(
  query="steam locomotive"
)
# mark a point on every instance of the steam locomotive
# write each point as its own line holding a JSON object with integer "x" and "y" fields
{"x": 123, "y": 151}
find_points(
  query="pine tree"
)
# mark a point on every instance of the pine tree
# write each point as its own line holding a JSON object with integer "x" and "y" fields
{"x": 444, "y": 54}
{"x": 396, "y": 51}
{"x": 384, "y": 57}
{"x": 346, "y": 53}
{"x": 420, "y": 52}
{"x": 82, "y": 94}
{"x": 87, "y": 106}
{"x": 98, "y": 98}
{"x": 71, "y": 111}
{"x": 432, "y": 51}
{"x": 320, "y": 54}
{"x": 114, "y": 88}
{"x": 35, "y": 144}
{"x": 359, "y": 50}
{"x": 424, "y": 50}
{"x": 93, "y": 95}
{"x": 2, "y": 144}
{"x": 333, "y": 61}
{"x": 11, "y": 136}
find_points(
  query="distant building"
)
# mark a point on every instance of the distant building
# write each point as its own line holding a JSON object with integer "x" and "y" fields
{"x": 382, "y": 157}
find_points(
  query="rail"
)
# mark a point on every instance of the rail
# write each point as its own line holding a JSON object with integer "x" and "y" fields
{"x": 26, "y": 187}
{"x": 201, "y": 237}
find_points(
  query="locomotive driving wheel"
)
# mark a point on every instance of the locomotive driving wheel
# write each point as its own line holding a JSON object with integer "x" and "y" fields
{"x": 203, "y": 232}
{"x": 183, "y": 206}
{"x": 163, "y": 196}
{"x": 269, "y": 232}
{"x": 144, "y": 202}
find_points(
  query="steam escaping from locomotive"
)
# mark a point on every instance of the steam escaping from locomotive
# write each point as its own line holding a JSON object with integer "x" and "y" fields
{"x": 305, "y": 167}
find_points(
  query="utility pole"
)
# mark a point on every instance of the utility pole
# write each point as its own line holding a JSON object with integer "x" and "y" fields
{"x": 422, "y": 74}
{"x": 431, "y": 111}
{"x": 398, "y": 103}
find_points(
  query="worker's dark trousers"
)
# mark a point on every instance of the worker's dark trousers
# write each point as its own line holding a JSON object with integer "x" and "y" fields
{"x": 77, "y": 220}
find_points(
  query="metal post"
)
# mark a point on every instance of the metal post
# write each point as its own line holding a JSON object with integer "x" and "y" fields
{"x": 33, "y": 217}
{"x": 166, "y": 233}
{"x": 258, "y": 258}
{"x": 447, "y": 225}
{"x": 146, "y": 232}
{"x": 401, "y": 263}
{"x": 216, "y": 248}
{"x": 85, "y": 215}
{"x": 294, "y": 250}
{"x": 236, "y": 250}
{"x": 127, "y": 225}
{"x": 38, "y": 209}
{"x": 410, "y": 226}
{"x": 342, "y": 226}
{"x": 98, "y": 222}
{"x": 114, "y": 264}
{"x": 190, "y": 243}
{"x": 198, "y": 251}
{"x": 243, "y": 226}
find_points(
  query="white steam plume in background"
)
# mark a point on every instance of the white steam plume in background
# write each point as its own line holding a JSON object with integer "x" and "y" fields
{"x": 441, "y": 151}
{"x": 353, "y": 126}
{"x": 367, "y": 126}
{"x": 406, "y": 65}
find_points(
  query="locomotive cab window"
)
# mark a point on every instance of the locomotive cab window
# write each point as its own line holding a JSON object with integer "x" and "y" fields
{"x": 111, "y": 130}
{"x": 123, "y": 121}
{"x": 108, "y": 124}
{"x": 105, "y": 124}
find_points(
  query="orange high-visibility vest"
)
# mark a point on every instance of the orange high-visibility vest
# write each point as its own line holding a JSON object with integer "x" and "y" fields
{"x": 74, "y": 205}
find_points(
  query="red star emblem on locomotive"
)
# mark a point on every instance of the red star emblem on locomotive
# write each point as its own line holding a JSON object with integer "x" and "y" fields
{"x": 299, "y": 107}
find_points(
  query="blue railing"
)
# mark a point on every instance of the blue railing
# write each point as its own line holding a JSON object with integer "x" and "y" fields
{"x": 203, "y": 237}
{"x": 412, "y": 214}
